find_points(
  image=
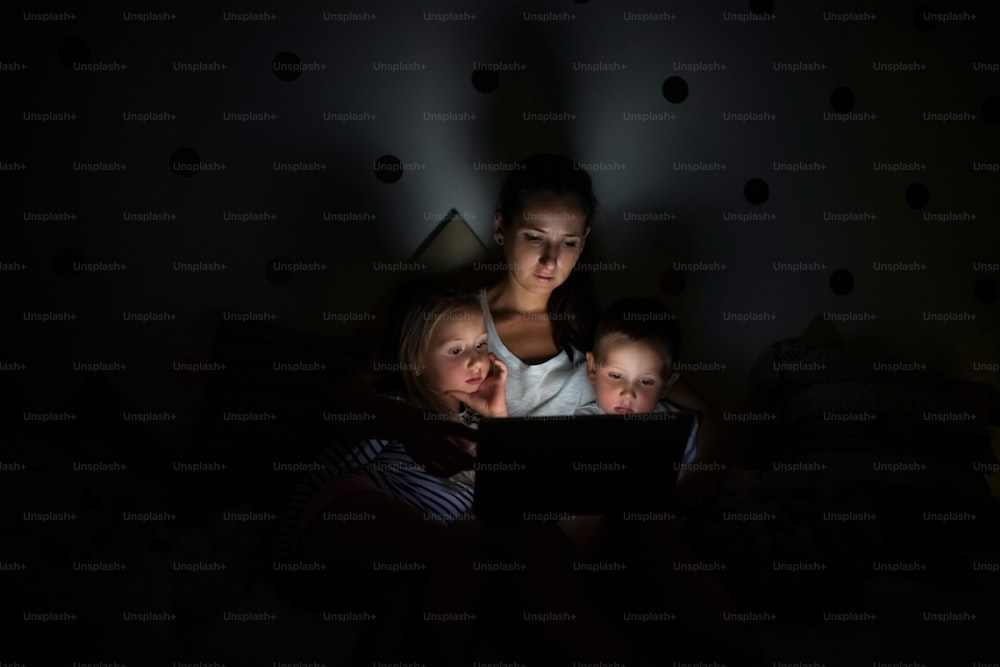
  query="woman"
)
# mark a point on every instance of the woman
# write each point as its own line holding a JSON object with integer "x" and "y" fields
{"x": 539, "y": 316}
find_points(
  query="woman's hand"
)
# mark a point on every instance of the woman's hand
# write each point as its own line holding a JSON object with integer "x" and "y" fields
{"x": 490, "y": 400}
{"x": 444, "y": 447}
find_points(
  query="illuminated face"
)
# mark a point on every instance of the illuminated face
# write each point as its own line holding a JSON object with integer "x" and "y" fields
{"x": 457, "y": 357}
{"x": 543, "y": 242}
{"x": 629, "y": 377}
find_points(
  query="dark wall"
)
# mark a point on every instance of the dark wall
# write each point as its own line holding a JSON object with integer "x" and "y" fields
{"x": 675, "y": 154}
{"x": 758, "y": 164}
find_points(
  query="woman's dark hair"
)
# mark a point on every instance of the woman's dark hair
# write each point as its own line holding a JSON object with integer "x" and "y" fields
{"x": 544, "y": 172}
{"x": 572, "y": 306}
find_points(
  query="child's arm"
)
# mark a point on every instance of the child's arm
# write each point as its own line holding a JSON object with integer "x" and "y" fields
{"x": 711, "y": 446}
{"x": 711, "y": 439}
{"x": 701, "y": 481}
{"x": 490, "y": 400}
{"x": 443, "y": 446}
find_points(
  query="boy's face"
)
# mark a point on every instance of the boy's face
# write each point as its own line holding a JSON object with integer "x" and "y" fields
{"x": 629, "y": 377}
{"x": 458, "y": 358}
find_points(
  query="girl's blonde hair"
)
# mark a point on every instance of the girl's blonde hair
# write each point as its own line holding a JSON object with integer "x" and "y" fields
{"x": 423, "y": 315}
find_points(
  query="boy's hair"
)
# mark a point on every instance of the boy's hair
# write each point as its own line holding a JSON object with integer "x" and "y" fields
{"x": 640, "y": 319}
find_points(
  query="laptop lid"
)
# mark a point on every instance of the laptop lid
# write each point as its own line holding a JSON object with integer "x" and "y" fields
{"x": 545, "y": 467}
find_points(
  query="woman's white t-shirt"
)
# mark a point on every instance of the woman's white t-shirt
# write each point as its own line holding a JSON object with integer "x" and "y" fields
{"x": 558, "y": 386}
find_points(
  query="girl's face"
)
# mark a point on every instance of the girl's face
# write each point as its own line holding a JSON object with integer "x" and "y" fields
{"x": 457, "y": 357}
{"x": 542, "y": 244}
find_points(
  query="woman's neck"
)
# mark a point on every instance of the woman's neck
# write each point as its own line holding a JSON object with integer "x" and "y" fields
{"x": 511, "y": 297}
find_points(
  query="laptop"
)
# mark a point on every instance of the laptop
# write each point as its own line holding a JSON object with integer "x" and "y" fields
{"x": 539, "y": 468}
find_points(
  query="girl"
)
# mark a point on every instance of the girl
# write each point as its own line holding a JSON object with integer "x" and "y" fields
{"x": 442, "y": 357}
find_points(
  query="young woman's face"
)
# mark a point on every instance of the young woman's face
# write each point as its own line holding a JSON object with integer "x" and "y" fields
{"x": 457, "y": 358}
{"x": 542, "y": 244}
